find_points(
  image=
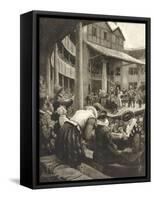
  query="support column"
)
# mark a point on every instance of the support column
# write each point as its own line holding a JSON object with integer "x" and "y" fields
{"x": 104, "y": 77}
{"x": 68, "y": 84}
{"x": 79, "y": 68}
{"x": 56, "y": 72}
{"x": 139, "y": 67}
{"x": 52, "y": 81}
{"x": 48, "y": 78}
{"x": 124, "y": 77}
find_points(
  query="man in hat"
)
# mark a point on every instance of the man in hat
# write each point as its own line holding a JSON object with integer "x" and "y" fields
{"x": 59, "y": 98}
{"x": 106, "y": 148}
{"x": 131, "y": 140}
{"x": 60, "y": 105}
{"x": 106, "y": 151}
{"x": 132, "y": 130}
{"x": 102, "y": 113}
{"x": 131, "y": 97}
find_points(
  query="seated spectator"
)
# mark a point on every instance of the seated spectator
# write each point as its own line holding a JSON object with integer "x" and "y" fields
{"x": 106, "y": 150}
{"x": 47, "y": 136}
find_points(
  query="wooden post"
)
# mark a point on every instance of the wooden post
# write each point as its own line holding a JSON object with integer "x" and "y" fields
{"x": 79, "y": 68}
{"x": 139, "y": 67}
{"x": 104, "y": 77}
{"x": 48, "y": 78}
{"x": 56, "y": 72}
{"x": 124, "y": 77}
{"x": 52, "y": 81}
{"x": 52, "y": 74}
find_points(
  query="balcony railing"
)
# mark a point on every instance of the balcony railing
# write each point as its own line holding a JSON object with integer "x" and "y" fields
{"x": 68, "y": 44}
{"x": 64, "y": 68}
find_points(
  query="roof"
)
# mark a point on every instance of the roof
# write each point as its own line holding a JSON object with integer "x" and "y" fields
{"x": 114, "y": 54}
{"x": 114, "y": 27}
{"x": 118, "y": 28}
{"x": 135, "y": 49}
{"x": 50, "y": 31}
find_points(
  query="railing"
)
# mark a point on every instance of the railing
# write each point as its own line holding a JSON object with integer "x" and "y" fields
{"x": 68, "y": 44}
{"x": 64, "y": 68}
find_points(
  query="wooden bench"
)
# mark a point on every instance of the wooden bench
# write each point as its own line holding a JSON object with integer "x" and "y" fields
{"x": 52, "y": 169}
{"x": 116, "y": 169}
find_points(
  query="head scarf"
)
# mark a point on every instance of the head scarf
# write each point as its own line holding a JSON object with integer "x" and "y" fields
{"x": 93, "y": 110}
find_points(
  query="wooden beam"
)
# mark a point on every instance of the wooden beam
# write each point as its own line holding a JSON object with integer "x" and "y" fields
{"x": 124, "y": 77}
{"x": 104, "y": 77}
{"x": 56, "y": 72}
{"x": 48, "y": 78}
{"x": 79, "y": 68}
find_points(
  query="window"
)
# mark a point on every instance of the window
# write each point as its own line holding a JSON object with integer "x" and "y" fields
{"x": 110, "y": 72}
{"x": 121, "y": 41}
{"x": 133, "y": 71}
{"x": 105, "y": 35}
{"x": 94, "y": 31}
{"x": 117, "y": 40}
{"x": 117, "y": 71}
{"x": 95, "y": 70}
{"x": 90, "y": 29}
{"x": 113, "y": 38}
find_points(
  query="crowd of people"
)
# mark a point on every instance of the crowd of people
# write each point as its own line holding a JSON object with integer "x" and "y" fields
{"x": 69, "y": 136}
{"x": 115, "y": 98}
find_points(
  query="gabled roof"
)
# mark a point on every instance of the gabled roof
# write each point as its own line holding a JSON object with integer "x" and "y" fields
{"x": 118, "y": 28}
{"x": 112, "y": 25}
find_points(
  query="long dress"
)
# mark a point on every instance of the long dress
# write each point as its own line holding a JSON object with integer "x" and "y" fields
{"x": 69, "y": 147}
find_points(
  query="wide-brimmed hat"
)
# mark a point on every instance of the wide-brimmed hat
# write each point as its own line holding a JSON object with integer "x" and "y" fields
{"x": 127, "y": 115}
{"x": 93, "y": 109}
{"x": 98, "y": 107}
{"x": 57, "y": 89}
{"x": 101, "y": 111}
{"x": 102, "y": 115}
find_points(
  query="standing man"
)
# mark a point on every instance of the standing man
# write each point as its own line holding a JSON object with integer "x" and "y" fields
{"x": 131, "y": 97}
